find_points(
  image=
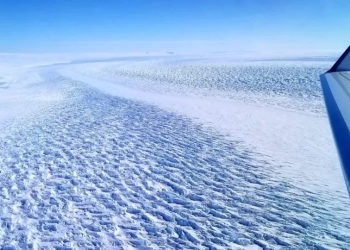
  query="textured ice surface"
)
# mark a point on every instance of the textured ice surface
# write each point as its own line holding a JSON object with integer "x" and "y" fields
{"x": 289, "y": 129}
{"x": 97, "y": 162}
{"x": 274, "y": 83}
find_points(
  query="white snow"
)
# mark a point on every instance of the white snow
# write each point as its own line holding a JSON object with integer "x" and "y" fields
{"x": 168, "y": 153}
{"x": 277, "y": 133}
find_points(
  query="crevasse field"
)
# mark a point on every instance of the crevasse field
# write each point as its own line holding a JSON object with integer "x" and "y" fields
{"x": 168, "y": 152}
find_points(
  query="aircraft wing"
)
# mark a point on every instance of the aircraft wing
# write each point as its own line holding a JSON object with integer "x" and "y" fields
{"x": 336, "y": 91}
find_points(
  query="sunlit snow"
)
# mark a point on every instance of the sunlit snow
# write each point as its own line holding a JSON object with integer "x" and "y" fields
{"x": 168, "y": 152}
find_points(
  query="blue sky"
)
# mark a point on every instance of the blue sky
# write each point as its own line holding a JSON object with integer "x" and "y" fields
{"x": 58, "y": 26}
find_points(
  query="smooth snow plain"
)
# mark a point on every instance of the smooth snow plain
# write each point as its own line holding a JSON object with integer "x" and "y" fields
{"x": 168, "y": 152}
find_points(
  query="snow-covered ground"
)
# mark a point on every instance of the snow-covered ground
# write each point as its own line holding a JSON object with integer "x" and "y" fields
{"x": 168, "y": 153}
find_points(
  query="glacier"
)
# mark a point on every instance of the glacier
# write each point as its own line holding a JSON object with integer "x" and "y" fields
{"x": 168, "y": 152}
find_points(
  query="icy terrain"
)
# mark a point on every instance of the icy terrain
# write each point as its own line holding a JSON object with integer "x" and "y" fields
{"x": 168, "y": 153}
